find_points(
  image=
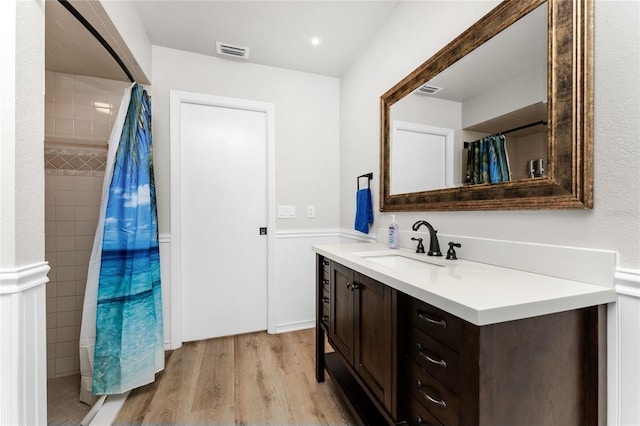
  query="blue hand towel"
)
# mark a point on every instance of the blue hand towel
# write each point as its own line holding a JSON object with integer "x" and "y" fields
{"x": 364, "y": 210}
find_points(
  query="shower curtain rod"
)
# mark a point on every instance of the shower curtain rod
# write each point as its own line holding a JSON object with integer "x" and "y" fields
{"x": 515, "y": 129}
{"x": 98, "y": 37}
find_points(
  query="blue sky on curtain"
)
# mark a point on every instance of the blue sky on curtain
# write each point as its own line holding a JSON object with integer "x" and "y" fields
{"x": 129, "y": 331}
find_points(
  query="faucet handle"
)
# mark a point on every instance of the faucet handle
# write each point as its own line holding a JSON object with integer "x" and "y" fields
{"x": 451, "y": 253}
{"x": 420, "y": 248}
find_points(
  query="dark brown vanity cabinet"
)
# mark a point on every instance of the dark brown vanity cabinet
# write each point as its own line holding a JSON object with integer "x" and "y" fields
{"x": 398, "y": 359}
{"x": 362, "y": 325}
{"x": 543, "y": 370}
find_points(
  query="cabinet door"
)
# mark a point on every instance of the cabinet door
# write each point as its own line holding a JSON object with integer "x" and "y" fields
{"x": 374, "y": 347}
{"x": 341, "y": 318}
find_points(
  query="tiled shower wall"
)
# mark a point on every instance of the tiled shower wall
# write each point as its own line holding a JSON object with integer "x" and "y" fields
{"x": 79, "y": 116}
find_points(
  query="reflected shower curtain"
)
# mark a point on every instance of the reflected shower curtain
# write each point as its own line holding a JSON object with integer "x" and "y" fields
{"x": 488, "y": 161}
{"x": 121, "y": 338}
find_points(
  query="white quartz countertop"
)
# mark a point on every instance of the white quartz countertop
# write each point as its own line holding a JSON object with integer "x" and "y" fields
{"x": 479, "y": 293}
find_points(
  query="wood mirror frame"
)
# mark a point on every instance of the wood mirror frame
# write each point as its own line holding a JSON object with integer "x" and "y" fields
{"x": 569, "y": 180}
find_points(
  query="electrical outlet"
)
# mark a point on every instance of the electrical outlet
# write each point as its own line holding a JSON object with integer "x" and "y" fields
{"x": 311, "y": 211}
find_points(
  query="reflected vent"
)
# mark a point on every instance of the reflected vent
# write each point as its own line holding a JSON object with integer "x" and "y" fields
{"x": 427, "y": 89}
{"x": 229, "y": 50}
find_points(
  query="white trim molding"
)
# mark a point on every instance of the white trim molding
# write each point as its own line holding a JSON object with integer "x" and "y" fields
{"x": 307, "y": 233}
{"x": 351, "y": 234}
{"x": 628, "y": 282}
{"x": 23, "y": 278}
{"x": 623, "y": 350}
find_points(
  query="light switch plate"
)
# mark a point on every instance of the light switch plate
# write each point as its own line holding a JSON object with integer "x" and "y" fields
{"x": 286, "y": 212}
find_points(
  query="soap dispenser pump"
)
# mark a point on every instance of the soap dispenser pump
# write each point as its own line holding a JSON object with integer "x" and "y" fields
{"x": 394, "y": 233}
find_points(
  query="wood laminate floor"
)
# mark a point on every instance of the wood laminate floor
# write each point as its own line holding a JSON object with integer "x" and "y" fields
{"x": 255, "y": 378}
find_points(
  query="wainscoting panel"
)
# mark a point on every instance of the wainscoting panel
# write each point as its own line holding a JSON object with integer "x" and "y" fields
{"x": 295, "y": 276}
{"x": 23, "y": 368}
{"x": 624, "y": 351}
{"x": 165, "y": 279}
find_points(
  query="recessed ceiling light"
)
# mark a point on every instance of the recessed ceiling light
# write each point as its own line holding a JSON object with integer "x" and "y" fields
{"x": 315, "y": 41}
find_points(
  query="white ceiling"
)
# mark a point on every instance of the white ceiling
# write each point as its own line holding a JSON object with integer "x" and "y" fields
{"x": 276, "y": 32}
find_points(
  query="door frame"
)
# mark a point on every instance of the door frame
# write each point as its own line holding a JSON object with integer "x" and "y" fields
{"x": 177, "y": 98}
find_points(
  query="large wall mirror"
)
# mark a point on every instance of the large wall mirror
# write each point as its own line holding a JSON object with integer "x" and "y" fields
{"x": 500, "y": 118}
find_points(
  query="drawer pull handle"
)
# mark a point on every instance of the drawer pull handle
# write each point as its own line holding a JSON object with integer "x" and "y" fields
{"x": 349, "y": 285}
{"x": 423, "y": 316}
{"x": 439, "y": 402}
{"x": 325, "y": 318}
{"x": 421, "y": 422}
{"x": 355, "y": 286}
{"x": 325, "y": 262}
{"x": 325, "y": 299}
{"x": 325, "y": 281}
{"x": 439, "y": 362}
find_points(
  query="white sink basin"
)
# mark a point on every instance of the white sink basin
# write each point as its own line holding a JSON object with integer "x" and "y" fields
{"x": 397, "y": 260}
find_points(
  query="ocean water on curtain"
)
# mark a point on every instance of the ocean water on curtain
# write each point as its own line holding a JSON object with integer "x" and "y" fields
{"x": 129, "y": 333}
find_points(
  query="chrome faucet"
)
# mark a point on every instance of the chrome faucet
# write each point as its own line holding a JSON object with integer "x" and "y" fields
{"x": 434, "y": 245}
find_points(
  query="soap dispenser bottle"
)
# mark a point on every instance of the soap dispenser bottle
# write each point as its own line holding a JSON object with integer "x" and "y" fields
{"x": 394, "y": 233}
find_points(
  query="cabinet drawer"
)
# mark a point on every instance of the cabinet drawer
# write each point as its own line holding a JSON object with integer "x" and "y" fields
{"x": 419, "y": 416}
{"x": 435, "y": 322}
{"x": 325, "y": 320}
{"x": 437, "y": 359}
{"x": 439, "y": 400}
{"x": 326, "y": 267}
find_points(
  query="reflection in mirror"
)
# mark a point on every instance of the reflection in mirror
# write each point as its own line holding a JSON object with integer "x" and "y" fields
{"x": 499, "y": 87}
{"x": 524, "y": 72}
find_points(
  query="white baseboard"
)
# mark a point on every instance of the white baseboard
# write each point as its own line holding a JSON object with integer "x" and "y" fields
{"x": 295, "y": 326}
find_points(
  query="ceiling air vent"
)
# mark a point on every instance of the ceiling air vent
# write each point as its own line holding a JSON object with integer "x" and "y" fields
{"x": 427, "y": 89}
{"x": 226, "y": 49}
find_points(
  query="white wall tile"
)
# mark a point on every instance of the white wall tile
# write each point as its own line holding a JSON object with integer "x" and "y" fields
{"x": 66, "y": 258}
{"x": 86, "y": 227}
{"x": 64, "y": 110}
{"x": 66, "y": 319}
{"x": 65, "y": 289}
{"x": 86, "y": 213}
{"x": 101, "y": 130}
{"x": 65, "y": 213}
{"x": 65, "y": 227}
{"x": 66, "y": 349}
{"x": 51, "y": 290}
{"x": 82, "y": 129}
{"x": 84, "y": 243}
{"x": 82, "y": 257}
{"x": 50, "y": 223}
{"x": 65, "y": 183}
{"x": 65, "y": 243}
{"x": 65, "y": 273}
{"x": 78, "y": 110}
{"x": 66, "y": 303}
{"x": 64, "y": 128}
{"x": 64, "y": 81}
{"x": 64, "y": 365}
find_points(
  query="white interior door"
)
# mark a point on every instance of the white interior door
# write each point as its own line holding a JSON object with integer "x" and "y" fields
{"x": 223, "y": 191}
{"x": 421, "y": 157}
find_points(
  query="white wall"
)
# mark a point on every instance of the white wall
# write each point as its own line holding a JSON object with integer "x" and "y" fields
{"x": 124, "y": 17}
{"x": 23, "y": 271}
{"x": 306, "y": 129}
{"x": 418, "y": 29}
{"x": 306, "y": 159}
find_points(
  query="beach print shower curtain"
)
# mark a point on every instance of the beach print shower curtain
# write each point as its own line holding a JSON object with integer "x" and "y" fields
{"x": 121, "y": 339}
